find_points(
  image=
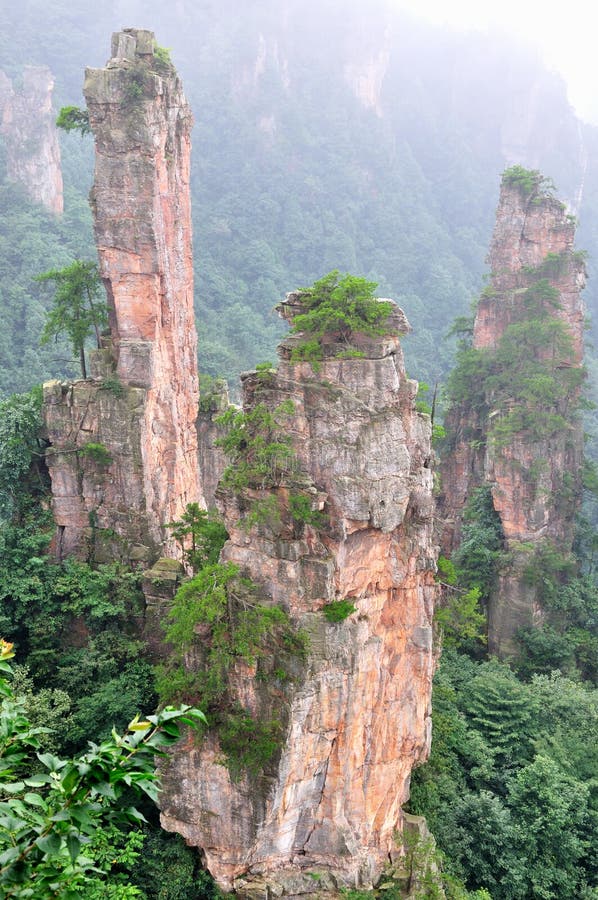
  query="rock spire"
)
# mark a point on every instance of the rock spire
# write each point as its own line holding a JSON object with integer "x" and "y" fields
{"x": 141, "y": 404}
{"x": 516, "y": 429}
{"x": 355, "y": 715}
{"x": 27, "y": 126}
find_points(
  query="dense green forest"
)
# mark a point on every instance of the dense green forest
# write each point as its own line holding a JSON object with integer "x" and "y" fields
{"x": 289, "y": 182}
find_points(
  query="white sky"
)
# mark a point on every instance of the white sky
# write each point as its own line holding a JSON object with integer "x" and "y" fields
{"x": 567, "y": 34}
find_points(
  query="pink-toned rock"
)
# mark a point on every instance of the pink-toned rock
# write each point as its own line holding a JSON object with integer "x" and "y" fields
{"x": 27, "y": 124}
{"x": 535, "y": 481}
{"x": 141, "y": 205}
{"x": 357, "y": 717}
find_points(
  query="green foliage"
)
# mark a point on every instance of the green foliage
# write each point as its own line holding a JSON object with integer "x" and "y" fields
{"x": 212, "y": 394}
{"x": 422, "y": 404}
{"x": 257, "y": 445}
{"x": 302, "y": 512}
{"x": 169, "y": 870}
{"x": 552, "y": 815}
{"x": 58, "y": 820}
{"x": 338, "y": 610}
{"x": 530, "y": 182}
{"x": 201, "y": 536}
{"x": 265, "y": 512}
{"x": 78, "y": 310}
{"x": 248, "y": 744}
{"x": 526, "y": 385}
{"x": 75, "y": 626}
{"x": 114, "y": 386}
{"x": 511, "y": 765}
{"x": 72, "y": 118}
{"x": 466, "y": 380}
{"x": 136, "y": 83}
{"x": 96, "y": 452}
{"x": 265, "y": 370}
{"x": 338, "y": 306}
{"x": 21, "y": 451}
{"x": 162, "y": 60}
{"x": 460, "y": 618}
{"x": 480, "y": 550}
{"x": 225, "y": 608}
{"x": 469, "y": 576}
{"x": 568, "y": 639}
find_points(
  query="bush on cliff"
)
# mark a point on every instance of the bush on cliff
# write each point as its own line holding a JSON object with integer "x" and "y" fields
{"x": 338, "y": 306}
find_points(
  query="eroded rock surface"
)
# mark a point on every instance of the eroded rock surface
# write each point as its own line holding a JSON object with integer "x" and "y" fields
{"x": 27, "y": 124}
{"x": 534, "y": 475}
{"x": 141, "y": 404}
{"x": 356, "y": 714}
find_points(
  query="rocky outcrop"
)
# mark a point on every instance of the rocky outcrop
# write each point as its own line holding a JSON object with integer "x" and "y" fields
{"x": 355, "y": 716}
{"x": 212, "y": 461}
{"x": 141, "y": 404}
{"x": 27, "y": 124}
{"x": 518, "y": 430}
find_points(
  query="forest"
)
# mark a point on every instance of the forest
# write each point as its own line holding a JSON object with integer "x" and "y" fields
{"x": 290, "y": 182}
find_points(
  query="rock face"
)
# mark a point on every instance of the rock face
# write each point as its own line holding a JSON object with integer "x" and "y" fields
{"x": 141, "y": 404}
{"x": 27, "y": 126}
{"x": 534, "y": 472}
{"x": 212, "y": 461}
{"x": 356, "y": 718}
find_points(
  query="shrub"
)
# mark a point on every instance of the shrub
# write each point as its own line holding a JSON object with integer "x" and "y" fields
{"x": 340, "y": 306}
{"x": 96, "y": 452}
{"x": 338, "y": 610}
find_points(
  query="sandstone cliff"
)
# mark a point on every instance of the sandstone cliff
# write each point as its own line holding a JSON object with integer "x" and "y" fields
{"x": 27, "y": 126}
{"x": 141, "y": 404}
{"x": 355, "y": 714}
{"x": 516, "y": 427}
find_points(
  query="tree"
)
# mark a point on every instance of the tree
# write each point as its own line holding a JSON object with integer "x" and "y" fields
{"x": 20, "y": 449}
{"x": 555, "y": 828}
{"x": 201, "y": 536}
{"x": 72, "y": 118}
{"x": 340, "y": 306}
{"x": 58, "y": 817}
{"x": 78, "y": 310}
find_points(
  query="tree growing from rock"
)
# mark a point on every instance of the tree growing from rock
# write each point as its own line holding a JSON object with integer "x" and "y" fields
{"x": 79, "y": 308}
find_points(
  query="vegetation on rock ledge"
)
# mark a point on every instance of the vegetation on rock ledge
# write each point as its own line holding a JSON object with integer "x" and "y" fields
{"x": 338, "y": 307}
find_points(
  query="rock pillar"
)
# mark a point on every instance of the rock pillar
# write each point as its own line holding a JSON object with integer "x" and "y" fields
{"x": 141, "y": 404}
{"x": 27, "y": 125}
{"x": 519, "y": 431}
{"x": 355, "y": 718}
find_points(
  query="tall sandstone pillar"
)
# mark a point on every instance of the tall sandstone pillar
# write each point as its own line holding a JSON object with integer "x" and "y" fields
{"x": 534, "y": 471}
{"x": 28, "y": 128}
{"x": 325, "y": 812}
{"x": 141, "y": 404}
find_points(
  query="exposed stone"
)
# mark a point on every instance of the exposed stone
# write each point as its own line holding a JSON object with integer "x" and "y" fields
{"x": 160, "y": 584}
{"x": 357, "y": 718}
{"x": 27, "y": 124}
{"x": 535, "y": 481}
{"x": 141, "y": 204}
{"x": 212, "y": 460}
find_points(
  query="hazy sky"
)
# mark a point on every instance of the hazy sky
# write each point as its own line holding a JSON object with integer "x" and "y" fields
{"x": 566, "y": 34}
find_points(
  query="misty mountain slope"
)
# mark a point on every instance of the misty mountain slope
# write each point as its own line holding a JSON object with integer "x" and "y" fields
{"x": 330, "y": 138}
